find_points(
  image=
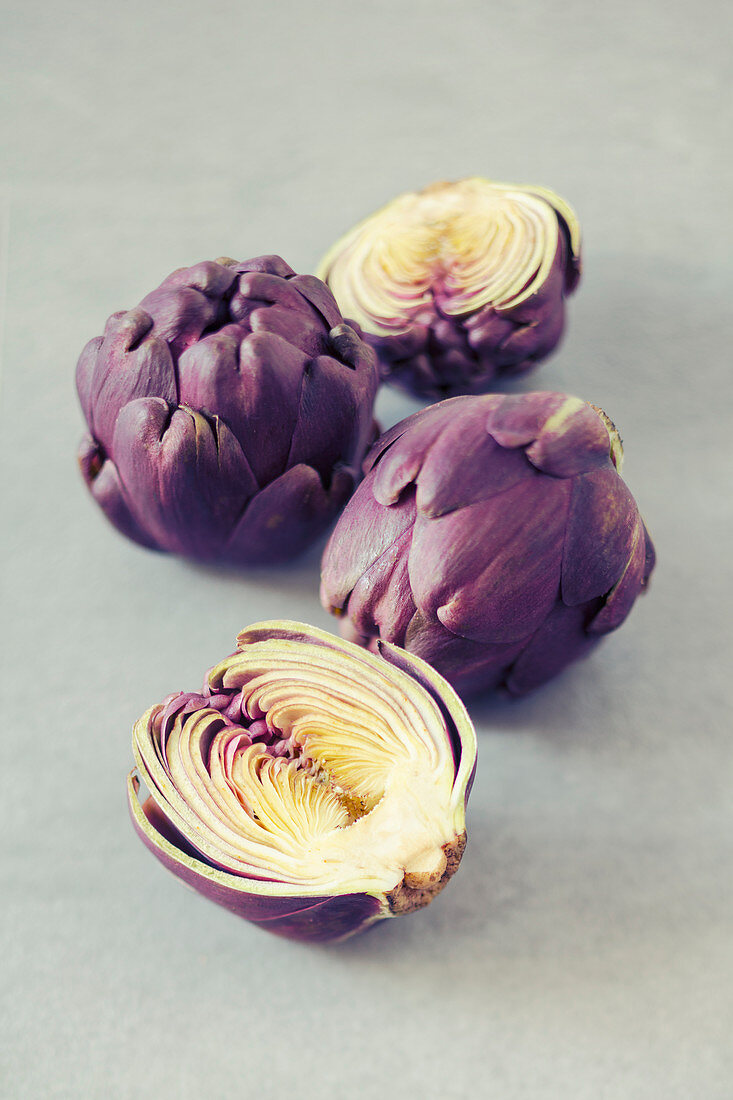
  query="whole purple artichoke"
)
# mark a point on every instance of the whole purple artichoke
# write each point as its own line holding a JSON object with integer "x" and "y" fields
{"x": 459, "y": 283}
{"x": 311, "y": 787}
{"x": 493, "y": 537}
{"x": 228, "y": 413}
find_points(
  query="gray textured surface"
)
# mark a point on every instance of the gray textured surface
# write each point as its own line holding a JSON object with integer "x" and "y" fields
{"x": 585, "y": 948}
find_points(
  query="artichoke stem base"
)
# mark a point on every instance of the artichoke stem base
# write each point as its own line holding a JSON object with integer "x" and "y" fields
{"x": 412, "y": 894}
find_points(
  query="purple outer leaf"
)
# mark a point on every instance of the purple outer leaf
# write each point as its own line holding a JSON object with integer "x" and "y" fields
{"x": 85, "y": 368}
{"x": 621, "y": 597}
{"x": 561, "y": 638}
{"x": 295, "y": 327}
{"x": 286, "y": 516}
{"x": 517, "y": 420}
{"x": 131, "y": 362}
{"x": 330, "y": 415}
{"x": 383, "y": 596}
{"x": 490, "y": 572}
{"x": 396, "y": 463}
{"x": 576, "y": 445}
{"x": 104, "y": 483}
{"x": 469, "y": 666}
{"x": 447, "y": 479}
{"x": 320, "y": 297}
{"x": 243, "y": 379}
{"x": 188, "y": 479}
{"x": 367, "y": 531}
{"x": 599, "y": 536}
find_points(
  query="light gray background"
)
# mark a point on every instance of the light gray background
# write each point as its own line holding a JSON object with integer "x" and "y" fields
{"x": 584, "y": 949}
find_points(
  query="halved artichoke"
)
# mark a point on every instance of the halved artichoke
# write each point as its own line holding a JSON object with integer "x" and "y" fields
{"x": 313, "y": 787}
{"x": 458, "y": 283}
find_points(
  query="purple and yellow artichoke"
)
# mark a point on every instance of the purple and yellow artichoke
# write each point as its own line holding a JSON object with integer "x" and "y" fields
{"x": 459, "y": 283}
{"x": 312, "y": 787}
{"x": 228, "y": 413}
{"x": 493, "y": 537}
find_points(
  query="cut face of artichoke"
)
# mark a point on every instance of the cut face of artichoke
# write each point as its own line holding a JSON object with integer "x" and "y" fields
{"x": 312, "y": 769}
{"x": 458, "y": 246}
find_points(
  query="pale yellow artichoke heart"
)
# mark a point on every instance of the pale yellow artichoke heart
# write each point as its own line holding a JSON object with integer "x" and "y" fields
{"x": 362, "y": 798}
{"x": 482, "y": 243}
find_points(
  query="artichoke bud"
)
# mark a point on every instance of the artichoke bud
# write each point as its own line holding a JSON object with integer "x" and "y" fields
{"x": 312, "y": 786}
{"x": 228, "y": 414}
{"x": 459, "y": 282}
{"x": 493, "y": 537}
